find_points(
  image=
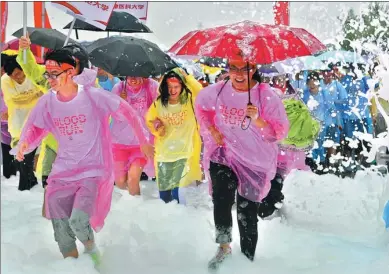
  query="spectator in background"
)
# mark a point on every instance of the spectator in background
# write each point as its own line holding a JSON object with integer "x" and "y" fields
{"x": 106, "y": 80}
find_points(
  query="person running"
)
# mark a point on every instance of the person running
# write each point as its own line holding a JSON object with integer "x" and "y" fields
{"x": 240, "y": 153}
{"x": 140, "y": 93}
{"x": 34, "y": 72}
{"x": 20, "y": 96}
{"x": 80, "y": 185}
{"x": 171, "y": 119}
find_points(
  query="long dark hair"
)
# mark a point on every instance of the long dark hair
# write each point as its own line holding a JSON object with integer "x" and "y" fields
{"x": 164, "y": 90}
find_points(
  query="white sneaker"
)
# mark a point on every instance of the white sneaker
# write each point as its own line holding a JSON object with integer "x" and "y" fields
{"x": 221, "y": 255}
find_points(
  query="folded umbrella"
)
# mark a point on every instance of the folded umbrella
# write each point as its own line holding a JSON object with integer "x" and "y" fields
{"x": 118, "y": 22}
{"x": 48, "y": 38}
{"x": 129, "y": 56}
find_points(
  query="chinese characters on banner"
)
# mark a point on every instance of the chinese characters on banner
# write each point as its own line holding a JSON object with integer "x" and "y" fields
{"x": 137, "y": 9}
{"x": 95, "y": 13}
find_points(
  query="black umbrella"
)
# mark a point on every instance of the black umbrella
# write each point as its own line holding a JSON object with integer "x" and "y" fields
{"x": 118, "y": 22}
{"x": 48, "y": 38}
{"x": 129, "y": 56}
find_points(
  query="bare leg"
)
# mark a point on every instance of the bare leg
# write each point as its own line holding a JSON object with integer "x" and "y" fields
{"x": 133, "y": 178}
{"x": 121, "y": 182}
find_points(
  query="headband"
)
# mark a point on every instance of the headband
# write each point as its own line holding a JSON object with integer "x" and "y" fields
{"x": 173, "y": 80}
{"x": 50, "y": 64}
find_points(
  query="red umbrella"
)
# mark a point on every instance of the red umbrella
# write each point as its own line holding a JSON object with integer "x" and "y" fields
{"x": 14, "y": 45}
{"x": 257, "y": 43}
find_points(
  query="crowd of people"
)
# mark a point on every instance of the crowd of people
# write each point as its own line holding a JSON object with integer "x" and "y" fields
{"x": 85, "y": 131}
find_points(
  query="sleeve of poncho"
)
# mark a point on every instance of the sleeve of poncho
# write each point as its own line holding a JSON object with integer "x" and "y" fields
{"x": 342, "y": 101}
{"x": 117, "y": 89}
{"x": 112, "y": 104}
{"x": 33, "y": 70}
{"x": 151, "y": 115}
{"x": 205, "y": 106}
{"x": 193, "y": 85}
{"x": 35, "y": 128}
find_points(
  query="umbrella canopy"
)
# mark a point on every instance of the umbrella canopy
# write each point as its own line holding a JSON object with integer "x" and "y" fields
{"x": 129, "y": 56}
{"x": 295, "y": 65}
{"x": 342, "y": 56}
{"x": 14, "y": 45}
{"x": 257, "y": 43}
{"x": 118, "y": 22}
{"x": 48, "y": 38}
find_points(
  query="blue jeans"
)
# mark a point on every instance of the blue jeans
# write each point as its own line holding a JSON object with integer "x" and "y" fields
{"x": 169, "y": 195}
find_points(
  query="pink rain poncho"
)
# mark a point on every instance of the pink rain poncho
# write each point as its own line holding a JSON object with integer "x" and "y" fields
{"x": 251, "y": 153}
{"x": 124, "y": 142}
{"x": 289, "y": 159}
{"x": 81, "y": 127}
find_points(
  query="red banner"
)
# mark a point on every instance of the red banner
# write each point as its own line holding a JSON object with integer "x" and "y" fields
{"x": 4, "y": 19}
{"x": 38, "y": 16}
{"x": 39, "y": 12}
{"x": 281, "y": 13}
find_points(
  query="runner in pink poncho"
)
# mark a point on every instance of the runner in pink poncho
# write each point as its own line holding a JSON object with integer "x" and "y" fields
{"x": 129, "y": 161}
{"x": 237, "y": 155}
{"x": 79, "y": 191}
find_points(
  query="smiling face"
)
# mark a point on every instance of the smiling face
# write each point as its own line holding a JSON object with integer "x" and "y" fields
{"x": 240, "y": 74}
{"x": 175, "y": 88}
{"x": 58, "y": 77}
{"x": 135, "y": 82}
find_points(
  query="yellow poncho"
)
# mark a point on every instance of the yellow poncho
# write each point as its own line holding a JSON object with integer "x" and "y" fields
{"x": 181, "y": 130}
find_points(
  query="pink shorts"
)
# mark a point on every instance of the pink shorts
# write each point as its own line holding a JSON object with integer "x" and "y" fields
{"x": 124, "y": 157}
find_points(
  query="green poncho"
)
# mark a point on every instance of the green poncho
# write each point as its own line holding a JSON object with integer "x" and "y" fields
{"x": 304, "y": 128}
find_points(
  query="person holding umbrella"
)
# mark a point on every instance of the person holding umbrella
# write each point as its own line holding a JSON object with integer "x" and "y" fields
{"x": 80, "y": 185}
{"x": 140, "y": 93}
{"x": 20, "y": 96}
{"x": 240, "y": 150}
{"x": 171, "y": 119}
